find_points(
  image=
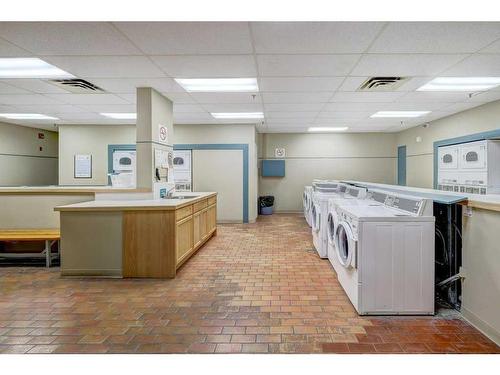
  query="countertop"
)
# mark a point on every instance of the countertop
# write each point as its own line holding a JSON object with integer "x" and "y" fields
{"x": 69, "y": 189}
{"x": 487, "y": 202}
{"x": 137, "y": 204}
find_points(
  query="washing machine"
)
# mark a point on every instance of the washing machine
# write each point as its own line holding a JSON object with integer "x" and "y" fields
{"x": 364, "y": 198}
{"x": 386, "y": 256}
{"x": 307, "y": 202}
{"x": 319, "y": 213}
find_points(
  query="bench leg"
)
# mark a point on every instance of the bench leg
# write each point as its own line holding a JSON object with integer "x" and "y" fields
{"x": 48, "y": 256}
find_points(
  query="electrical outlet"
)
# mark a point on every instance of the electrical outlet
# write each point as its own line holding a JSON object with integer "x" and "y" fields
{"x": 468, "y": 211}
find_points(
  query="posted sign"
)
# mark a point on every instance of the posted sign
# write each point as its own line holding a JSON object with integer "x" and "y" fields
{"x": 162, "y": 134}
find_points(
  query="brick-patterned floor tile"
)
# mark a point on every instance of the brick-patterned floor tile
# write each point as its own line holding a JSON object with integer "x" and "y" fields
{"x": 254, "y": 288}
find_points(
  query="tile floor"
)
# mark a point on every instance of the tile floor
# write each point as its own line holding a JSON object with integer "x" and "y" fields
{"x": 257, "y": 288}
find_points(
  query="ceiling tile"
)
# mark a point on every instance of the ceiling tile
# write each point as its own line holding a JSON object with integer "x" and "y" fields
{"x": 291, "y": 115}
{"x": 297, "y": 107}
{"x": 35, "y": 85}
{"x": 8, "y": 89}
{"x": 352, "y": 83}
{"x": 88, "y": 98}
{"x": 225, "y": 97}
{"x": 354, "y": 107}
{"x": 436, "y": 37}
{"x": 67, "y": 38}
{"x": 49, "y": 108}
{"x": 412, "y": 105}
{"x": 366, "y": 97}
{"x": 10, "y": 99}
{"x": 233, "y": 107}
{"x": 106, "y": 66}
{"x": 99, "y": 108}
{"x": 130, "y": 85}
{"x": 9, "y": 50}
{"x": 271, "y": 84}
{"x": 344, "y": 115}
{"x": 433, "y": 96}
{"x": 239, "y": 66}
{"x": 479, "y": 65}
{"x": 459, "y": 107}
{"x": 485, "y": 97}
{"x": 81, "y": 116}
{"x": 306, "y": 65}
{"x": 313, "y": 37}
{"x": 184, "y": 38}
{"x": 296, "y": 97}
{"x": 405, "y": 64}
{"x": 492, "y": 48}
{"x": 188, "y": 108}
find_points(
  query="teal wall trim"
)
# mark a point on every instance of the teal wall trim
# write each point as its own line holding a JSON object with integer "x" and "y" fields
{"x": 453, "y": 141}
{"x": 402, "y": 165}
{"x": 227, "y": 146}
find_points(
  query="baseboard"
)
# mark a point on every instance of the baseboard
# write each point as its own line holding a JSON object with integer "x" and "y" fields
{"x": 93, "y": 273}
{"x": 481, "y": 325}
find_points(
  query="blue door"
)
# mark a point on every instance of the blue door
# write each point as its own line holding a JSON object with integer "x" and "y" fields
{"x": 402, "y": 165}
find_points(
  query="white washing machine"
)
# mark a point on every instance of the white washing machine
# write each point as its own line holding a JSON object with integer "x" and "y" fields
{"x": 319, "y": 213}
{"x": 307, "y": 202}
{"x": 386, "y": 254}
{"x": 366, "y": 198}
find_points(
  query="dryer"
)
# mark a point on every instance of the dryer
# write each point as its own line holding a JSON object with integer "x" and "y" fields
{"x": 386, "y": 256}
{"x": 319, "y": 213}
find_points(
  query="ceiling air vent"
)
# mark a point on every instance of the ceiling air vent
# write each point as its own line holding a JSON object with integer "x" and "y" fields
{"x": 77, "y": 86}
{"x": 382, "y": 83}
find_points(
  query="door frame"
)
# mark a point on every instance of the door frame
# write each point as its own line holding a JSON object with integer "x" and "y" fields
{"x": 401, "y": 165}
{"x": 226, "y": 146}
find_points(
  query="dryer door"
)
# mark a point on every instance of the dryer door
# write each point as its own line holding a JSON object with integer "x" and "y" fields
{"x": 316, "y": 217}
{"x": 345, "y": 245}
{"x": 331, "y": 226}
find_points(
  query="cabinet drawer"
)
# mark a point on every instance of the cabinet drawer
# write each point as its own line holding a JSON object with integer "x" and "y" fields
{"x": 183, "y": 212}
{"x": 212, "y": 200}
{"x": 199, "y": 205}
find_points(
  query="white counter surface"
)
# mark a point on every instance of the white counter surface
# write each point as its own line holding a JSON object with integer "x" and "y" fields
{"x": 137, "y": 204}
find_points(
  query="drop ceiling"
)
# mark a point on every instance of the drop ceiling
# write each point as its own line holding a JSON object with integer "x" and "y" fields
{"x": 308, "y": 72}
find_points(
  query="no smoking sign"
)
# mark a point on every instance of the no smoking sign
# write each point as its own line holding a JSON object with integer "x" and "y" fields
{"x": 162, "y": 134}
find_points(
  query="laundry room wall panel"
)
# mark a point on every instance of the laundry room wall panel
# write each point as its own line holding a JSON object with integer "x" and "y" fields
{"x": 367, "y": 157}
{"x": 419, "y": 153}
{"x": 210, "y": 173}
{"x": 21, "y": 160}
{"x": 93, "y": 140}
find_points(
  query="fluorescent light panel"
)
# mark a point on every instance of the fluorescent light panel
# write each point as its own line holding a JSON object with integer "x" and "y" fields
{"x": 238, "y": 115}
{"x": 399, "y": 114}
{"x": 328, "y": 129}
{"x": 121, "y": 115}
{"x": 219, "y": 84}
{"x": 30, "y": 68}
{"x": 461, "y": 84}
{"x": 27, "y": 116}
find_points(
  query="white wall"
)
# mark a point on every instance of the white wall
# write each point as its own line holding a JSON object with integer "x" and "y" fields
{"x": 89, "y": 139}
{"x": 419, "y": 155}
{"x": 361, "y": 156}
{"x": 21, "y": 161}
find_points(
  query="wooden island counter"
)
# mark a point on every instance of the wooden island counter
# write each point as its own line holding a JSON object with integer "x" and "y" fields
{"x": 135, "y": 238}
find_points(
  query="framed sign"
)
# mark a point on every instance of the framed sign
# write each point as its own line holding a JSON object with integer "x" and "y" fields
{"x": 182, "y": 170}
{"x": 279, "y": 152}
{"x": 83, "y": 166}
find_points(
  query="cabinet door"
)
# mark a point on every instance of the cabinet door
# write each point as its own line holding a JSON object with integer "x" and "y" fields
{"x": 212, "y": 217}
{"x": 448, "y": 157}
{"x": 204, "y": 223}
{"x": 473, "y": 156}
{"x": 197, "y": 236}
{"x": 184, "y": 235}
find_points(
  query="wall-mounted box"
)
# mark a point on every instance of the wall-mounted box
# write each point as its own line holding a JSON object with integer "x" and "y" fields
{"x": 273, "y": 168}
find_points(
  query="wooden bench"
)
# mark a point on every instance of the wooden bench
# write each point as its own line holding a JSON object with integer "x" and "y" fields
{"x": 47, "y": 235}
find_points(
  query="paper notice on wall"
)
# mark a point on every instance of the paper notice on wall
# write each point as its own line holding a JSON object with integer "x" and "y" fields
{"x": 182, "y": 170}
{"x": 83, "y": 166}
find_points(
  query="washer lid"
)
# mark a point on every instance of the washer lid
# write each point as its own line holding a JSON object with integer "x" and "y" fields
{"x": 345, "y": 245}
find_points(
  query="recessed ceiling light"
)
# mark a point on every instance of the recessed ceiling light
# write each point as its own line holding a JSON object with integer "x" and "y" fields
{"x": 238, "y": 115}
{"x": 328, "y": 129}
{"x": 27, "y": 116}
{"x": 121, "y": 115}
{"x": 461, "y": 84}
{"x": 399, "y": 114}
{"x": 30, "y": 68}
{"x": 219, "y": 84}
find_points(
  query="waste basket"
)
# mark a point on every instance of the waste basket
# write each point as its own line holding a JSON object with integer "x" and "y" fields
{"x": 266, "y": 205}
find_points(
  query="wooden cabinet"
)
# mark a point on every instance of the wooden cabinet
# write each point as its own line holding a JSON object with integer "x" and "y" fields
{"x": 212, "y": 217}
{"x": 184, "y": 238}
{"x": 197, "y": 237}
